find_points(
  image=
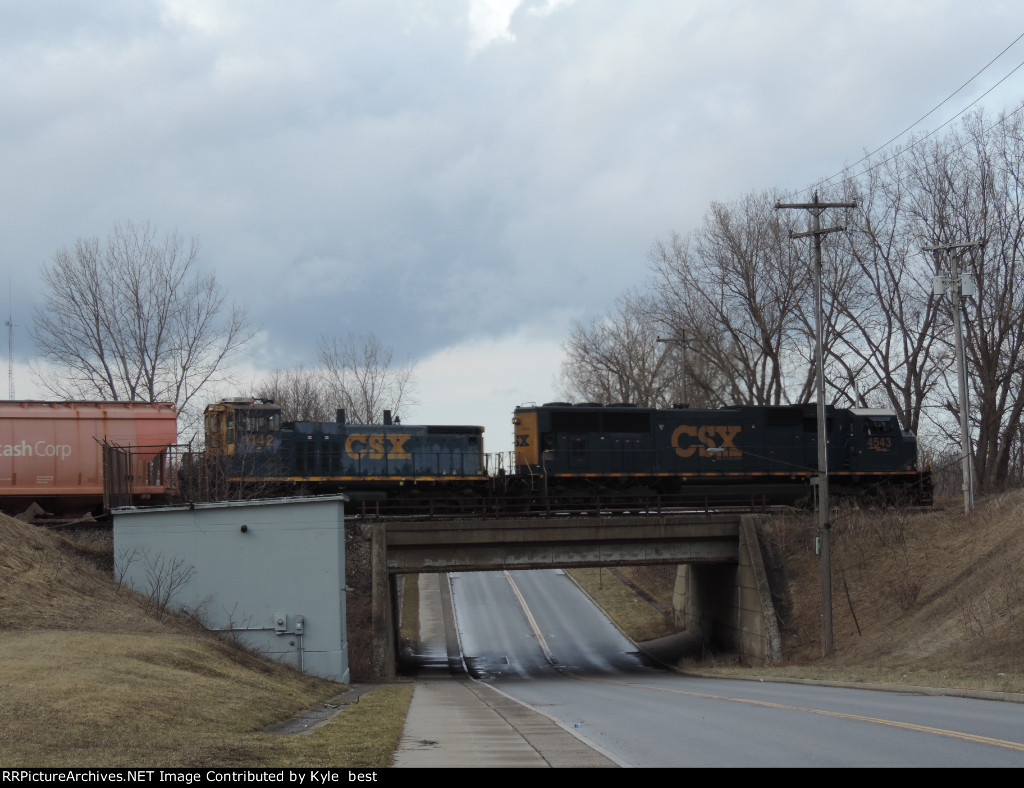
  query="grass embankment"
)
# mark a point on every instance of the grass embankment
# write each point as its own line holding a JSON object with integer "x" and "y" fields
{"x": 89, "y": 678}
{"x": 616, "y": 592}
{"x": 931, "y": 599}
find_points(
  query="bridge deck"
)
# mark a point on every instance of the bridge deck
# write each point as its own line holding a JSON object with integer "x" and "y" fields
{"x": 468, "y": 545}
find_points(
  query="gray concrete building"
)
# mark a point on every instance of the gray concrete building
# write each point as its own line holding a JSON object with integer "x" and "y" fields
{"x": 270, "y": 571}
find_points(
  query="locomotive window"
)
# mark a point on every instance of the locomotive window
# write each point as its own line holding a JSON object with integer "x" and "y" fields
{"x": 783, "y": 417}
{"x": 575, "y": 422}
{"x": 811, "y": 425}
{"x": 627, "y": 422}
{"x": 884, "y": 426}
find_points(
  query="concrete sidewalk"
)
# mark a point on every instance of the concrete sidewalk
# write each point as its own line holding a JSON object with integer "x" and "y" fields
{"x": 454, "y": 721}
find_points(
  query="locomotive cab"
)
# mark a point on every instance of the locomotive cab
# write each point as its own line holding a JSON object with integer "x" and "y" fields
{"x": 236, "y": 427}
{"x": 878, "y": 443}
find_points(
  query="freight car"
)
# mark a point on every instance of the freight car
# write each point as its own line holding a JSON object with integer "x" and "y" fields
{"x": 251, "y": 446}
{"x": 568, "y": 455}
{"x": 52, "y": 452}
{"x": 759, "y": 453}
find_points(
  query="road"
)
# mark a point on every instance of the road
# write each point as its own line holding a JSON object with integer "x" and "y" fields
{"x": 537, "y": 638}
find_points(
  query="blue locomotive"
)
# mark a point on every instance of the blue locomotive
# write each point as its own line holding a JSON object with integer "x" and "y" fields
{"x": 572, "y": 453}
{"x": 253, "y": 446}
{"x": 756, "y": 451}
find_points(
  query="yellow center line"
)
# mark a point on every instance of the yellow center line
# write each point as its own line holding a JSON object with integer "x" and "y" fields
{"x": 529, "y": 617}
{"x": 910, "y": 726}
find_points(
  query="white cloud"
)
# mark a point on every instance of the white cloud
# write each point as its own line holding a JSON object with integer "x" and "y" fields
{"x": 481, "y": 381}
{"x": 489, "y": 21}
{"x": 204, "y": 16}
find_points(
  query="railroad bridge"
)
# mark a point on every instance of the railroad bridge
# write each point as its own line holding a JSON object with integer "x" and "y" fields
{"x": 721, "y": 592}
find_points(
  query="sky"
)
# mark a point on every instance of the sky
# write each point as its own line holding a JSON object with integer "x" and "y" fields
{"x": 464, "y": 178}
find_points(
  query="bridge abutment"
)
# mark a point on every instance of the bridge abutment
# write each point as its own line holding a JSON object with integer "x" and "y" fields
{"x": 730, "y": 605}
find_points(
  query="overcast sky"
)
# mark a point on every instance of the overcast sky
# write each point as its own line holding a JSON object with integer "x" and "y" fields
{"x": 465, "y": 178}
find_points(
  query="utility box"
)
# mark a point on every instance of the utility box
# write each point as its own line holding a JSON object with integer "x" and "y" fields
{"x": 270, "y": 572}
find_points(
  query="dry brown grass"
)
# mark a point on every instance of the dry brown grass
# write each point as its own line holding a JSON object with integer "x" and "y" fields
{"x": 937, "y": 594}
{"x": 634, "y": 616}
{"x": 88, "y": 678}
{"x": 938, "y": 597}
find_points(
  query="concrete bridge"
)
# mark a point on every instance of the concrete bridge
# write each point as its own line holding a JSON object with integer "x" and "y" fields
{"x": 721, "y": 588}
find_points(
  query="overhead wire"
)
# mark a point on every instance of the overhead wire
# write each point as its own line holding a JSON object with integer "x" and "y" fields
{"x": 931, "y": 133}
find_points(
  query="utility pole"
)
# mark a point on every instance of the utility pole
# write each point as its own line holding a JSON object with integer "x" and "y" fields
{"x": 824, "y": 525}
{"x": 681, "y": 341}
{"x": 10, "y": 357}
{"x": 962, "y": 285}
{"x": 10, "y": 339}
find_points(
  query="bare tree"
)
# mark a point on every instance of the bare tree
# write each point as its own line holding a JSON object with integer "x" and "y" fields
{"x": 303, "y": 394}
{"x": 742, "y": 274}
{"x": 165, "y": 577}
{"x": 969, "y": 186}
{"x": 131, "y": 318}
{"x": 361, "y": 372}
{"x": 891, "y": 323}
{"x": 618, "y": 358}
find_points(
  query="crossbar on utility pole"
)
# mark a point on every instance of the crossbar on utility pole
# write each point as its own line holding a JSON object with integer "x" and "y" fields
{"x": 824, "y": 524}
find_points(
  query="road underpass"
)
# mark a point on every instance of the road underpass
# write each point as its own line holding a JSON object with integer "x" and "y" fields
{"x": 721, "y": 590}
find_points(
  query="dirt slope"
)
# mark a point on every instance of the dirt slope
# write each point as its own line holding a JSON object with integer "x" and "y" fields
{"x": 934, "y": 592}
{"x": 50, "y": 582}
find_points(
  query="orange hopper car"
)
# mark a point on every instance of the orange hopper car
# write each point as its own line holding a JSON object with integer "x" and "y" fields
{"x": 51, "y": 452}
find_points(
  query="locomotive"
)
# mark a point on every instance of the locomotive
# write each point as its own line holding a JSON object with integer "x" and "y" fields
{"x": 569, "y": 454}
{"x": 254, "y": 448}
{"x": 766, "y": 453}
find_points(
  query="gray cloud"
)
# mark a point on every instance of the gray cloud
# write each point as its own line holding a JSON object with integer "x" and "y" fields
{"x": 372, "y": 166}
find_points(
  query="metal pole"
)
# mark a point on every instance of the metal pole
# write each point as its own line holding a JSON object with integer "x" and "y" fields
{"x": 967, "y": 484}
{"x": 956, "y": 282}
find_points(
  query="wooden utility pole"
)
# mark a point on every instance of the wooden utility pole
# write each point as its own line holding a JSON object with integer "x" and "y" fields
{"x": 824, "y": 525}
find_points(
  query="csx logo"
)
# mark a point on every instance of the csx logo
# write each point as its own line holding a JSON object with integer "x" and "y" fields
{"x": 375, "y": 446}
{"x": 687, "y": 439}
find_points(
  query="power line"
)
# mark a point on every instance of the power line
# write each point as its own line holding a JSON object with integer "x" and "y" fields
{"x": 918, "y": 141}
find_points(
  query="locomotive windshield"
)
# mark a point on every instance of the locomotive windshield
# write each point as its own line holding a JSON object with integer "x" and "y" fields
{"x": 259, "y": 420}
{"x": 880, "y": 425}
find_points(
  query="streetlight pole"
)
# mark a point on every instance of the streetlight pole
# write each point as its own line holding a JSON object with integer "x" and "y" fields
{"x": 962, "y": 287}
{"x": 824, "y": 524}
